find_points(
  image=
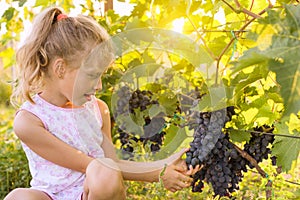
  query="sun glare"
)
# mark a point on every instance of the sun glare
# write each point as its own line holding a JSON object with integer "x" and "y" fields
{"x": 177, "y": 25}
{"x": 157, "y": 10}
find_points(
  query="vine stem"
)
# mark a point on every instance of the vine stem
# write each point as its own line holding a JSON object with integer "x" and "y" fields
{"x": 269, "y": 190}
{"x": 253, "y": 162}
{"x": 236, "y": 36}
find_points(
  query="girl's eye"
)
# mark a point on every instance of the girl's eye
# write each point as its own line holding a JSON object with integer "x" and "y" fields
{"x": 94, "y": 76}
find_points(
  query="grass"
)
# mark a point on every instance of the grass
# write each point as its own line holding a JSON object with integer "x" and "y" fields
{"x": 14, "y": 173}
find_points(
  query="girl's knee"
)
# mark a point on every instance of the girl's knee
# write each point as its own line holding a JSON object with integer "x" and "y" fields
{"x": 26, "y": 194}
{"x": 104, "y": 180}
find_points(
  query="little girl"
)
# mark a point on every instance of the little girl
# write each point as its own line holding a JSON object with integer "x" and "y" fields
{"x": 69, "y": 147}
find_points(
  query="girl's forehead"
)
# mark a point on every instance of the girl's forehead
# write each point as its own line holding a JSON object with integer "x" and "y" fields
{"x": 96, "y": 65}
{"x": 99, "y": 58}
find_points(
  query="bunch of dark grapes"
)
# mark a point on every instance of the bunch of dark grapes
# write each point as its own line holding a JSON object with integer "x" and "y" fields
{"x": 153, "y": 132}
{"x": 139, "y": 100}
{"x": 124, "y": 94}
{"x": 211, "y": 148}
{"x": 257, "y": 147}
{"x": 126, "y": 140}
{"x": 155, "y": 141}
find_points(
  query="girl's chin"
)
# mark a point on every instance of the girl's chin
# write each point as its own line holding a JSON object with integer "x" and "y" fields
{"x": 80, "y": 101}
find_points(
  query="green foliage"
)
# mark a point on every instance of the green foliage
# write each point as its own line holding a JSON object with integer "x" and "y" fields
{"x": 284, "y": 187}
{"x": 287, "y": 149}
{"x": 5, "y": 92}
{"x": 5, "y": 88}
{"x": 280, "y": 55}
{"x": 14, "y": 170}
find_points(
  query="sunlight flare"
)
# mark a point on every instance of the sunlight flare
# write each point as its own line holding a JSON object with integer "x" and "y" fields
{"x": 177, "y": 25}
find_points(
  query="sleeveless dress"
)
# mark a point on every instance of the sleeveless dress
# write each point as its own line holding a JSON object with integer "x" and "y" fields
{"x": 78, "y": 127}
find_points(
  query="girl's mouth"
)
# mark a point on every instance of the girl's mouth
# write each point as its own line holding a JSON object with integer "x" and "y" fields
{"x": 89, "y": 96}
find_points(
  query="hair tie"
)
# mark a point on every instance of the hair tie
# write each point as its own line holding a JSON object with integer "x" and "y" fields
{"x": 61, "y": 16}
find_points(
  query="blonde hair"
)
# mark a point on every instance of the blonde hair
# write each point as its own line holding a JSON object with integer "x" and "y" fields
{"x": 50, "y": 38}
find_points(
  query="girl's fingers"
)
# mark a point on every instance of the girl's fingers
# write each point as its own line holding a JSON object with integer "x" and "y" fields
{"x": 192, "y": 170}
{"x": 181, "y": 167}
{"x": 184, "y": 178}
{"x": 183, "y": 184}
{"x": 197, "y": 168}
{"x": 172, "y": 190}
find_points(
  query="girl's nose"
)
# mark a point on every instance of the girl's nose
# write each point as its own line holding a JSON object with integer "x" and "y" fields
{"x": 98, "y": 86}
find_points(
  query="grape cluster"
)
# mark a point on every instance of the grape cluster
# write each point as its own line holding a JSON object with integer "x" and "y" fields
{"x": 140, "y": 99}
{"x": 124, "y": 94}
{"x": 257, "y": 147}
{"x": 127, "y": 140}
{"x": 207, "y": 130}
{"x": 134, "y": 101}
{"x": 211, "y": 148}
{"x": 223, "y": 169}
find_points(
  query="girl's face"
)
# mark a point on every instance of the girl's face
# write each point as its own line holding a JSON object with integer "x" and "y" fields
{"x": 86, "y": 84}
{"x": 88, "y": 79}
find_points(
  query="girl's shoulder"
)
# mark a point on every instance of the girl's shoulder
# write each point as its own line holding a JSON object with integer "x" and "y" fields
{"x": 102, "y": 105}
{"x": 104, "y": 109}
{"x": 26, "y": 122}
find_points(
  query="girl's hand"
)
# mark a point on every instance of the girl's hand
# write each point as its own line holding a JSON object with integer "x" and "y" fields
{"x": 177, "y": 175}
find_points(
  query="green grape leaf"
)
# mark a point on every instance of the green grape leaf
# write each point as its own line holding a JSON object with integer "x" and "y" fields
{"x": 173, "y": 140}
{"x": 147, "y": 57}
{"x": 138, "y": 71}
{"x": 250, "y": 58}
{"x": 169, "y": 101}
{"x": 294, "y": 123}
{"x": 9, "y": 13}
{"x": 170, "y": 134}
{"x": 239, "y": 136}
{"x": 286, "y": 149}
{"x": 289, "y": 79}
{"x": 155, "y": 110}
{"x": 214, "y": 100}
{"x": 285, "y": 54}
{"x": 131, "y": 126}
{"x": 282, "y": 56}
{"x": 218, "y": 44}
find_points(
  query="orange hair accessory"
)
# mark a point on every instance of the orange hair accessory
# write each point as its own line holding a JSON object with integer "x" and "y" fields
{"x": 61, "y": 16}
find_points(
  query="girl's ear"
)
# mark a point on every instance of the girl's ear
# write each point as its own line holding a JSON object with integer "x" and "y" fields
{"x": 59, "y": 68}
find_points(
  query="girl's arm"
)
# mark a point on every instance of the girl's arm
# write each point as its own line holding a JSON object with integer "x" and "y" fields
{"x": 32, "y": 132}
{"x": 146, "y": 171}
{"x": 175, "y": 177}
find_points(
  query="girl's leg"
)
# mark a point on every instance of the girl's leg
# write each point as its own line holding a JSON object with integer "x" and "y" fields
{"x": 103, "y": 181}
{"x": 27, "y": 194}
